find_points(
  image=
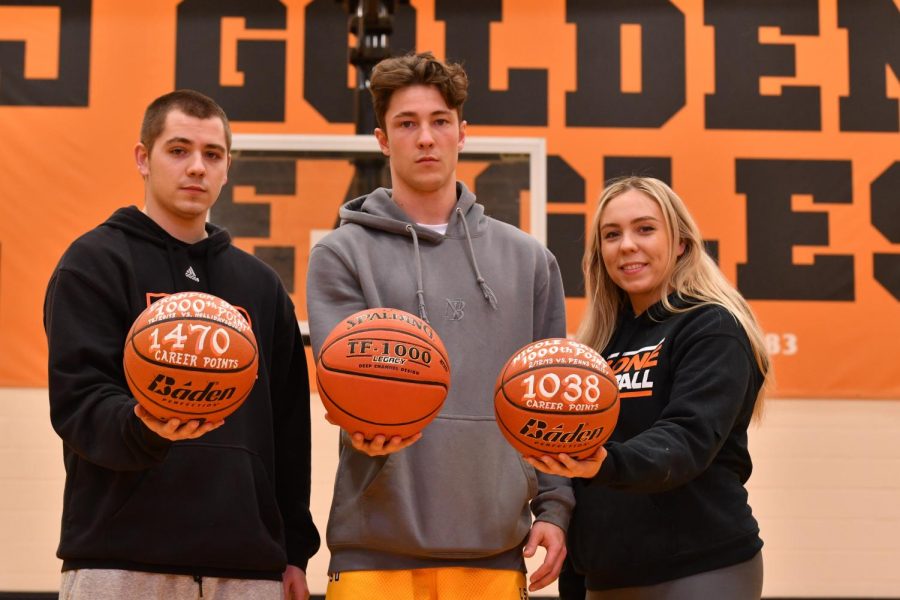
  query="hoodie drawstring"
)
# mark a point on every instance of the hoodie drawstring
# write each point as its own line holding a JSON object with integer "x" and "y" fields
{"x": 485, "y": 288}
{"x": 420, "y": 288}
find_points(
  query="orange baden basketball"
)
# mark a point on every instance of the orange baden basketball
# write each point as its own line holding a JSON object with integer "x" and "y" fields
{"x": 191, "y": 355}
{"x": 556, "y": 395}
{"x": 383, "y": 371}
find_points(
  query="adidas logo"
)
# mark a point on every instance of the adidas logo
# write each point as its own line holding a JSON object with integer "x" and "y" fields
{"x": 191, "y": 275}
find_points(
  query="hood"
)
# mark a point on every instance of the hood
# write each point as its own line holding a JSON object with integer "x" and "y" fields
{"x": 378, "y": 210}
{"x": 136, "y": 224}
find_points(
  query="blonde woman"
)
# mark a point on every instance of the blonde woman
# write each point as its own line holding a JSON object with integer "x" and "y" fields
{"x": 661, "y": 512}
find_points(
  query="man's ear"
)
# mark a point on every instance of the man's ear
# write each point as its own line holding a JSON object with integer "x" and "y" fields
{"x": 462, "y": 136}
{"x": 142, "y": 159}
{"x": 382, "y": 138}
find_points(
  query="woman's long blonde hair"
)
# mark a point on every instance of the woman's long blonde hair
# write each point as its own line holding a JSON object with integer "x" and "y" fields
{"x": 692, "y": 275}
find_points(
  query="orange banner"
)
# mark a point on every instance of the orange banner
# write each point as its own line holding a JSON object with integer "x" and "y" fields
{"x": 777, "y": 124}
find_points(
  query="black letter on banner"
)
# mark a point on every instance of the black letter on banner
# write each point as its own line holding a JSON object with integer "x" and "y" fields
{"x": 565, "y": 232}
{"x": 873, "y": 27}
{"x": 773, "y": 229}
{"x": 642, "y": 166}
{"x": 468, "y": 41}
{"x": 498, "y": 188}
{"x": 325, "y": 54}
{"x": 254, "y": 219}
{"x": 741, "y": 60}
{"x": 599, "y": 101}
{"x": 70, "y": 88}
{"x": 886, "y": 219}
{"x": 199, "y": 51}
{"x": 325, "y": 61}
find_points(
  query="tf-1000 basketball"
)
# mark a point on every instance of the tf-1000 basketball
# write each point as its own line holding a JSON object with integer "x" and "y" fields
{"x": 556, "y": 396}
{"x": 191, "y": 355}
{"x": 383, "y": 371}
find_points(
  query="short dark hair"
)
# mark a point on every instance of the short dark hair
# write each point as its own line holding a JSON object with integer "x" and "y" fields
{"x": 399, "y": 72}
{"x": 191, "y": 103}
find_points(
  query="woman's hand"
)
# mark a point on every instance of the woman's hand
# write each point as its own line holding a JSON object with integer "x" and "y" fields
{"x": 566, "y": 466}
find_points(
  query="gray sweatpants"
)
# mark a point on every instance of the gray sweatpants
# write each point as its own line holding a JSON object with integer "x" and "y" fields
{"x": 115, "y": 584}
{"x": 742, "y": 581}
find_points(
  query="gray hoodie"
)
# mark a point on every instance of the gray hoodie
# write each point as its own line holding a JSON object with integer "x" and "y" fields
{"x": 460, "y": 495}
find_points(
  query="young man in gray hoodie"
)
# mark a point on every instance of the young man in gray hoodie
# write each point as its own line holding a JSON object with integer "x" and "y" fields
{"x": 447, "y": 512}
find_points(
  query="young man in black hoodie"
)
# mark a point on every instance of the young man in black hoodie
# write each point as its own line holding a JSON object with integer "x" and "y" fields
{"x": 169, "y": 509}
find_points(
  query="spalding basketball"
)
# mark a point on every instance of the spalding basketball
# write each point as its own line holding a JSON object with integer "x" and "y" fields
{"x": 556, "y": 395}
{"x": 383, "y": 371}
{"x": 191, "y": 356}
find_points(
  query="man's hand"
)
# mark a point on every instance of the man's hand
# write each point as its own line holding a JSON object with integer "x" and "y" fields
{"x": 294, "y": 581}
{"x": 553, "y": 539}
{"x": 566, "y": 466}
{"x": 380, "y": 445}
{"x": 174, "y": 429}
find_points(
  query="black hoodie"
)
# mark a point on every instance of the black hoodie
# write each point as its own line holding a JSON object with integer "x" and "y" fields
{"x": 669, "y": 500}
{"x": 233, "y": 503}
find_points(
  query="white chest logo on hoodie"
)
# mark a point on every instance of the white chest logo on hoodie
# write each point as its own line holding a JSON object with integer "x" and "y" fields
{"x": 455, "y": 309}
{"x": 191, "y": 275}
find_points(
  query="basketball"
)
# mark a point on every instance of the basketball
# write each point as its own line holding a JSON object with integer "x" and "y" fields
{"x": 554, "y": 396}
{"x": 191, "y": 356}
{"x": 383, "y": 371}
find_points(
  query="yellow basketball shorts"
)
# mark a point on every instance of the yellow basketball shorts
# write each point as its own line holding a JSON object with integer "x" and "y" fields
{"x": 447, "y": 583}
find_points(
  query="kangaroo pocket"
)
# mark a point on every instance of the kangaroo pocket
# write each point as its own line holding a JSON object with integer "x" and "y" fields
{"x": 210, "y": 506}
{"x": 459, "y": 492}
